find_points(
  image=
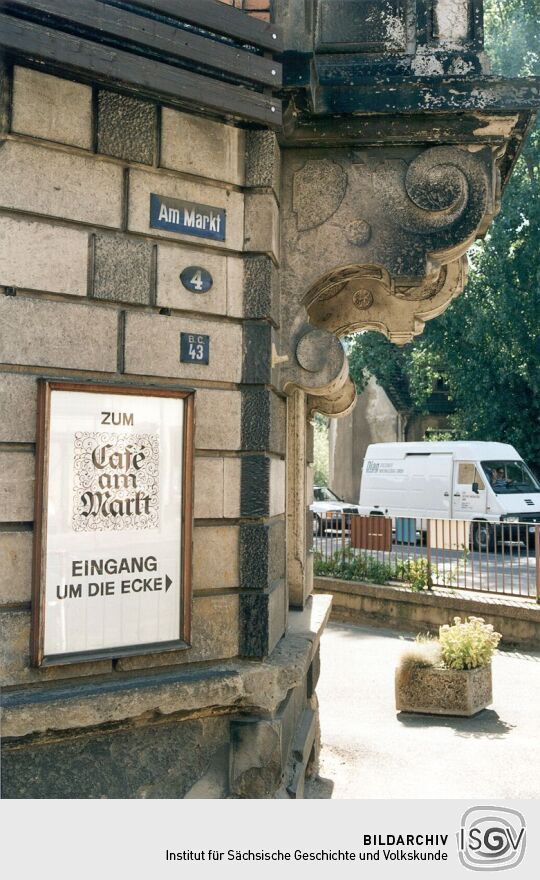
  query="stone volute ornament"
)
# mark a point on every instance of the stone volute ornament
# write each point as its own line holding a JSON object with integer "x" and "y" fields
{"x": 396, "y": 147}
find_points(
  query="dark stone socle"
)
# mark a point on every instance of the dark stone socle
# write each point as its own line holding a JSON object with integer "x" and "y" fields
{"x": 126, "y": 127}
{"x": 135, "y": 762}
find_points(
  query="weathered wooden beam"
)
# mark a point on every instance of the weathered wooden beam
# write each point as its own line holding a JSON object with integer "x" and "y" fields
{"x": 219, "y": 18}
{"x": 178, "y": 43}
{"x": 143, "y": 75}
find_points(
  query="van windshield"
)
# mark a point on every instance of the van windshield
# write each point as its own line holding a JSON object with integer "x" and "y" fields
{"x": 510, "y": 477}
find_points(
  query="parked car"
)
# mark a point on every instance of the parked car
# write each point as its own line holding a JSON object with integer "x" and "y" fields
{"x": 329, "y": 511}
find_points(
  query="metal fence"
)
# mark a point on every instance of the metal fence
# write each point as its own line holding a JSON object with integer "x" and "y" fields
{"x": 483, "y": 557}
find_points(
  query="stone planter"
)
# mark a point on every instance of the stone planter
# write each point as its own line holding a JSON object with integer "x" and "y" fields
{"x": 432, "y": 690}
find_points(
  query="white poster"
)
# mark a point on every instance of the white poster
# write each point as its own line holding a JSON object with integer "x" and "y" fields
{"x": 112, "y": 522}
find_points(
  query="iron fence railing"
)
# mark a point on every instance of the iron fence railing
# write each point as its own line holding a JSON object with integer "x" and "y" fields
{"x": 483, "y": 557}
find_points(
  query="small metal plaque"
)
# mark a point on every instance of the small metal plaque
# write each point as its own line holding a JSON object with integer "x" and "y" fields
{"x": 194, "y": 348}
{"x": 187, "y": 218}
{"x": 196, "y": 279}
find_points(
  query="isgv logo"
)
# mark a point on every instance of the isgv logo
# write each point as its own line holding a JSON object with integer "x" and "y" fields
{"x": 491, "y": 838}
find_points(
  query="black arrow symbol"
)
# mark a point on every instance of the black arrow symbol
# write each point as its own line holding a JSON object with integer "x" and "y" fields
{"x": 168, "y": 583}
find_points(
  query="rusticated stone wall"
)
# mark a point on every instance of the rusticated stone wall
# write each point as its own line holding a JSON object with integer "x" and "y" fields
{"x": 88, "y": 290}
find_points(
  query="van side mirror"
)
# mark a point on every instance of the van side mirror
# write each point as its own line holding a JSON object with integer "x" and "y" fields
{"x": 476, "y": 488}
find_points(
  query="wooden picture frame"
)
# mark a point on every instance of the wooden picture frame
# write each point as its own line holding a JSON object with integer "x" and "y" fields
{"x": 128, "y": 516}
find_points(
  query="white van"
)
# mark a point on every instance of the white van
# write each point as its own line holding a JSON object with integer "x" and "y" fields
{"x": 467, "y": 480}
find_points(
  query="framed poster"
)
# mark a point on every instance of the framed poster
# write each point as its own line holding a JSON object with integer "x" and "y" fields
{"x": 113, "y": 521}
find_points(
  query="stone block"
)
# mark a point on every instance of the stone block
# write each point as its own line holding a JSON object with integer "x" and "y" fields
{"x": 17, "y": 408}
{"x": 15, "y": 567}
{"x": 217, "y": 420}
{"x": 126, "y": 127}
{"x": 16, "y": 486}
{"x": 215, "y": 558}
{"x": 39, "y": 256}
{"x": 171, "y": 293}
{"x": 15, "y": 655}
{"x": 256, "y": 353}
{"x": 263, "y": 620}
{"x": 167, "y": 759}
{"x": 263, "y": 421}
{"x": 261, "y": 288}
{"x": 46, "y": 181}
{"x": 217, "y": 488}
{"x": 235, "y": 287}
{"x": 57, "y": 334}
{"x": 277, "y": 615}
{"x": 277, "y": 486}
{"x": 202, "y": 147}
{"x": 278, "y": 424}
{"x": 152, "y": 347}
{"x": 262, "y": 224}
{"x": 255, "y": 758}
{"x": 263, "y": 160}
{"x": 255, "y": 488}
{"x": 48, "y": 107}
{"x": 143, "y": 183}
{"x": 262, "y": 554}
{"x": 215, "y": 635}
{"x": 122, "y": 269}
{"x": 232, "y": 476}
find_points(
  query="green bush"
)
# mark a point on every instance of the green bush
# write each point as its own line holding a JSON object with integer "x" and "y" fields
{"x": 468, "y": 644}
{"x": 348, "y": 566}
{"x": 416, "y": 573}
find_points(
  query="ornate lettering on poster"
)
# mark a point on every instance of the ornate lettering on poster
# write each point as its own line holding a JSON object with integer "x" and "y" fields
{"x": 113, "y": 521}
{"x": 116, "y": 481}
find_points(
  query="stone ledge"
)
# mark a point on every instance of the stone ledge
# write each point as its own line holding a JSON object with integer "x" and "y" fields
{"x": 399, "y": 607}
{"x": 239, "y": 684}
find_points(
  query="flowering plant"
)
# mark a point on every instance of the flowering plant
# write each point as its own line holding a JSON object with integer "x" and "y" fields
{"x": 468, "y": 644}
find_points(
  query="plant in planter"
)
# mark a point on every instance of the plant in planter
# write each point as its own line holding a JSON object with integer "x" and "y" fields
{"x": 450, "y": 675}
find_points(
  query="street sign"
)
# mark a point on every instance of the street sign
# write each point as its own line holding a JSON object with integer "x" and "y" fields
{"x": 196, "y": 279}
{"x": 112, "y": 565}
{"x": 194, "y": 348}
{"x": 187, "y": 218}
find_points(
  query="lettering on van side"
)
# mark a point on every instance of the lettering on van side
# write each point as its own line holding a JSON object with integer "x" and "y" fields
{"x": 384, "y": 468}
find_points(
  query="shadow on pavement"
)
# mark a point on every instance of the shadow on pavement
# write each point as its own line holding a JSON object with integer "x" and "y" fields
{"x": 486, "y": 724}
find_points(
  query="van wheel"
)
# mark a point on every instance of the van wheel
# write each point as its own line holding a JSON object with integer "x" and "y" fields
{"x": 483, "y": 537}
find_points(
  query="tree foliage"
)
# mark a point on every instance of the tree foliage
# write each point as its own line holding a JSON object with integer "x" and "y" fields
{"x": 487, "y": 344}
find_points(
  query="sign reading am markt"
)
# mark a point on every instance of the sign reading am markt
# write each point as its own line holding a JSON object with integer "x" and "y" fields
{"x": 187, "y": 218}
{"x": 113, "y": 521}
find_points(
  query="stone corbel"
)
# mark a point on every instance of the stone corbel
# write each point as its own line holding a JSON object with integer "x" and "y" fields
{"x": 373, "y": 241}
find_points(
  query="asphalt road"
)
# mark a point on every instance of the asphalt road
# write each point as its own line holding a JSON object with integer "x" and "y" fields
{"x": 371, "y": 751}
